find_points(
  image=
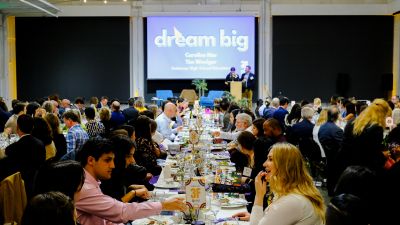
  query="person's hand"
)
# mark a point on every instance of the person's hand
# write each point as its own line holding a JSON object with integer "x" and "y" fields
{"x": 173, "y": 204}
{"x": 148, "y": 176}
{"x": 261, "y": 184}
{"x": 216, "y": 133}
{"x": 261, "y": 188}
{"x": 179, "y": 129}
{"x": 142, "y": 193}
{"x": 137, "y": 186}
{"x": 8, "y": 131}
{"x": 243, "y": 216}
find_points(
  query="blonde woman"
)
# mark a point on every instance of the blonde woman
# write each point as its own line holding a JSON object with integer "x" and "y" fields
{"x": 296, "y": 199}
{"x": 363, "y": 139}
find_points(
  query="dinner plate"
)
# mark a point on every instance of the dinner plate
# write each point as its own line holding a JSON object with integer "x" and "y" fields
{"x": 167, "y": 185}
{"x": 157, "y": 220}
{"x": 221, "y": 157}
{"x": 234, "y": 203}
{"x": 232, "y": 223}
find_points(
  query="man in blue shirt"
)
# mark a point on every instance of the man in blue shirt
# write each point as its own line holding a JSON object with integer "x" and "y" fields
{"x": 165, "y": 124}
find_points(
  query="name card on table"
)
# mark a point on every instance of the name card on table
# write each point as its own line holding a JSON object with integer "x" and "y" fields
{"x": 196, "y": 193}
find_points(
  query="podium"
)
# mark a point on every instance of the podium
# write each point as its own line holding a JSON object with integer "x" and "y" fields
{"x": 236, "y": 89}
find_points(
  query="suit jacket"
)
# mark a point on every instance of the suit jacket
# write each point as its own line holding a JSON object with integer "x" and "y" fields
{"x": 26, "y": 155}
{"x": 12, "y": 199}
{"x": 299, "y": 131}
{"x": 331, "y": 138}
{"x": 280, "y": 114}
{"x": 251, "y": 81}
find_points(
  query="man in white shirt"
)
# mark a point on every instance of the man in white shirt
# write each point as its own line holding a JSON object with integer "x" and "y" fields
{"x": 165, "y": 124}
{"x": 243, "y": 122}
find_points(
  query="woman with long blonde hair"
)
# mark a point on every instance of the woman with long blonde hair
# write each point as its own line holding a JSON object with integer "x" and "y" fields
{"x": 363, "y": 139}
{"x": 296, "y": 199}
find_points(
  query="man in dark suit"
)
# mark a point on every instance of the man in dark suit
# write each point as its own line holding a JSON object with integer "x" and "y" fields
{"x": 130, "y": 113}
{"x": 281, "y": 112}
{"x": 331, "y": 136}
{"x": 248, "y": 84}
{"x": 27, "y": 154}
{"x": 303, "y": 129}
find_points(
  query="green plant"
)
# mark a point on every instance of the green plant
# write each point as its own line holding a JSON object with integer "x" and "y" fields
{"x": 229, "y": 96}
{"x": 201, "y": 85}
{"x": 243, "y": 103}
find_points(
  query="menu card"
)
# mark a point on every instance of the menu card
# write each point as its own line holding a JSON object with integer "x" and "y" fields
{"x": 196, "y": 193}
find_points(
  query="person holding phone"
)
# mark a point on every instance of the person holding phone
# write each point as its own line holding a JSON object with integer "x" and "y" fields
{"x": 296, "y": 199}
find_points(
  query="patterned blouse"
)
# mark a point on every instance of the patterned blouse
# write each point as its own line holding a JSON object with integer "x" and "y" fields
{"x": 95, "y": 128}
{"x": 145, "y": 155}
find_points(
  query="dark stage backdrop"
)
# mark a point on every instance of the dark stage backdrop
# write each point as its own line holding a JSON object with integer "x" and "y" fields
{"x": 318, "y": 56}
{"x": 72, "y": 57}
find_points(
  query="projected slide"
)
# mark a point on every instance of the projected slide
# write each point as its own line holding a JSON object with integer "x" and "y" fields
{"x": 198, "y": 47}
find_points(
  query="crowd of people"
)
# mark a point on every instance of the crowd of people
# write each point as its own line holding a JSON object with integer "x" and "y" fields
{"x": 282, "y": 150}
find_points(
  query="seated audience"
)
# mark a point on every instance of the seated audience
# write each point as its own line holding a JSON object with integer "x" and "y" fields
{"x": 93, "y": 207}
{"x": 243, "y": 122}
{"x": 147, "y": 150}
{"x": 139, "y": 104}
{"x": 94, "y": 128}
{"x": 257, "y": 128}
{"x": 125, "y": 183}
{"x": 27, "y": 154}
{"x": 76, "y": 136}
{"x": 105, "y": 116}
{"x": 164, "y": 122}
{"x": 117, "y": 118}
{"x": 42, "y": 131}
{"x": 18, "y": 109}
{"x": 130, "y": 113}
{"x": 58, "y": 138}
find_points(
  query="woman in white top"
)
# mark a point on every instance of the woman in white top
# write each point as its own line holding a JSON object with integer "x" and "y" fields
{"x": 296, "y": 199}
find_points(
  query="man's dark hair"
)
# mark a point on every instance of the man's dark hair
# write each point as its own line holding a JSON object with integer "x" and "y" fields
{"x": 147, "y": 113}
{"x": 333, "y": 113}
{"x": 25, "y": 124}
{"x": 94, "y": 147}
{"x": 224, "y": 104}
{"x": 283, "y": 101}
{"x": 31, "y": 108}
{"x": 130, "y": 129}
{"x": 180, "y": 100}
{"x": 274, "y": 123}
{"x": 71, "y": 115}
{"x": 90, "y": 113}
{"x": 19, "y": 107}
{"x": 131, "y": 101}
{"x": 246, "y": 139}
{"x": 79, "y": 100}
{"x": 14, "y": 102}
